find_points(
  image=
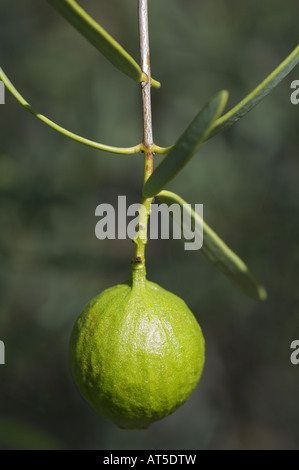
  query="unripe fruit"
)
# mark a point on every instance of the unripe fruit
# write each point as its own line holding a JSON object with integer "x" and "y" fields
{"x": 136, "y": 353}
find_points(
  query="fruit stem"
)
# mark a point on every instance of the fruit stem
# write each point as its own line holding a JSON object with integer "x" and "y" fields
{"x": 138, "y": 263}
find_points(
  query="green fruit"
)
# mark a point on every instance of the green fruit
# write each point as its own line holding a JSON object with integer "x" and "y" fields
{"x": 136, "y": 353}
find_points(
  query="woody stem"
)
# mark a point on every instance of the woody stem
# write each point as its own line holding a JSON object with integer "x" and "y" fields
{"x": 138, "y": 263}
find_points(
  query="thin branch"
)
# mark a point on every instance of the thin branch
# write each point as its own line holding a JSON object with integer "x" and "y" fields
{"x": 145, "y": 67}
{"x": 138, "y": 264}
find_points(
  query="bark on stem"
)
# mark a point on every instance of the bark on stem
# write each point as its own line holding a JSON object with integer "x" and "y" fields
{"x": 138, "y": 263}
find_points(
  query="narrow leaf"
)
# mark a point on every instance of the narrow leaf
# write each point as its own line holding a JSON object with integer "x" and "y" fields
{"x": 61, "y": 130}
{"x": 217, "y": 252}
{"x": 256, "y": 95}
{"x": 186, "y": 146}
{"x": 100, "y": 39}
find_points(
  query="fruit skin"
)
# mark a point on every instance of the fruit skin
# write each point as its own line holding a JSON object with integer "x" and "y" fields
{"x": 136, "y": 353}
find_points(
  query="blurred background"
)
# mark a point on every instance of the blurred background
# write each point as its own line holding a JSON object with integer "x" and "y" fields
{"x": 51, "y": 263}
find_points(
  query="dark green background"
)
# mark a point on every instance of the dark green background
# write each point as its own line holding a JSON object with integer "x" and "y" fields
{"x": 51, "y": 263}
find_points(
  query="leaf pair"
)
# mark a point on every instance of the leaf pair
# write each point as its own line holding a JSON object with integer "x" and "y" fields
{"x": 215, "y": 250}
{"x": 213, "y": 247}
{"x": 208, "y": 123}
{"x": 194, "y": 136}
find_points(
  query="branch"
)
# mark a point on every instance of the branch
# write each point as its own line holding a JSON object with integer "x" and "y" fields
{"x": 138, "y": 263}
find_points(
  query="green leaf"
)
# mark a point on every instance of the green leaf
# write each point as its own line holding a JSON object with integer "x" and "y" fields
{"x": 217, "y": 252}
{"x": 100, "y": 39}
{"x": 186, "y": 146}
{"x": 256, "y": 95}
{"x": 62, "y": 130}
